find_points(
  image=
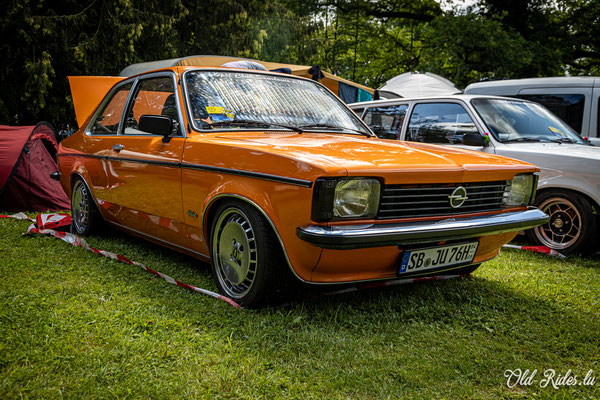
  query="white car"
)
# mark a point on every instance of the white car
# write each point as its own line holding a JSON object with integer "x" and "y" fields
{"x": 569, "y": 183}
{"x": 574, "y": 99}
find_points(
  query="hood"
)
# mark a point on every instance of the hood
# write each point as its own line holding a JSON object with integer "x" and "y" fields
{"x": 361, "y": 156}
{"x": 567, "y": 158}
{"x": 549, "y": 150}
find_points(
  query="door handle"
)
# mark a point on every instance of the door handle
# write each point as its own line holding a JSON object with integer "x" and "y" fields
{"x": 118, "y": 147}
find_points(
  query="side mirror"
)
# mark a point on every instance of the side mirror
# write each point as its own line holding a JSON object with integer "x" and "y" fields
{"x": 474, "y": 139}
{"x": 158, "y": 125}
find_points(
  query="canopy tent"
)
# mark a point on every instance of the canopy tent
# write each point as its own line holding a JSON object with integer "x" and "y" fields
{"x": 27, "y": 158}
{"x": 348, "y": 91}
{"x": 417, "y": 84}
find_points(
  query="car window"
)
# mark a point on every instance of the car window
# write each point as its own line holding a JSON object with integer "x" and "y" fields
{"x": 443, "y": 123}
{"x": 568, "y": 107}
{"x": 522, "y": 121}
{"x": 153, "y": 96}
{"x": 224, "y": 100}
{"x": 358, "y": 111}
{"x": 107, "y": 121}
{"x": 386, "y": 121}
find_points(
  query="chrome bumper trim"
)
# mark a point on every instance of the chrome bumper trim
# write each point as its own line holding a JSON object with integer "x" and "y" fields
{"x": 379, "y": 235}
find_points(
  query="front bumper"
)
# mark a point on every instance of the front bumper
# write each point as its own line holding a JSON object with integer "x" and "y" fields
{"x": 379, "y": 235}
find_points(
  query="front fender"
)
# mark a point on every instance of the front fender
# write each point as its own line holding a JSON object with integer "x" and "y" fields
{"x": 284, "y": 206}
{"x": 583, "y": 184}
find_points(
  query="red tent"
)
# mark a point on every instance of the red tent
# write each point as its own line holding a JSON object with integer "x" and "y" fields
{"x": 27, "y": 158}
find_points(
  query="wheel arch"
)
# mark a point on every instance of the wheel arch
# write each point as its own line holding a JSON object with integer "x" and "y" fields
{"x": 210, "y": 210}
{"x": 571, "y": 184}
{"x": 78, "y": 174}
{"x": 594, "y": 203}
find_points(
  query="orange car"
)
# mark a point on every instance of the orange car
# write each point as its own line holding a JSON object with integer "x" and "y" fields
{"x": 270, "y": 176}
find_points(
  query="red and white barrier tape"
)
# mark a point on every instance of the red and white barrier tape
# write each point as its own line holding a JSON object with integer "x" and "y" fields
{"x": 46, "y": 221}
{"x": 537, "y": 249}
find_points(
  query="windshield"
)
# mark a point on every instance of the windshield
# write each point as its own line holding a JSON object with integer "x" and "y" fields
{"x": 234, "y": 100}
{"x": 521, "y": 121}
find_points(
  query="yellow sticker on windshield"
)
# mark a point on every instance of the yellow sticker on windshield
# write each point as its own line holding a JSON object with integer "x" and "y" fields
{"x": 556, "y": 131}
{"x": 215, "y": 110}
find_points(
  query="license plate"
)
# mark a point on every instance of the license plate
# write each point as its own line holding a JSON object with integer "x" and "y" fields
{"x": 437, "y": 257}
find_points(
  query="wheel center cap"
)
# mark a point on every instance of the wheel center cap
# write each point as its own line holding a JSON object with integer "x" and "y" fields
{"x": 236, "y": 251}
{"x": 560, "y": 223}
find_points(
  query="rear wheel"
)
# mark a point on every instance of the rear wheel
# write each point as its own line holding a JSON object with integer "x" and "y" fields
{"x": 572, "y": 226}
{"x": 85, "y": 216}
{"x": 247, "y": 261}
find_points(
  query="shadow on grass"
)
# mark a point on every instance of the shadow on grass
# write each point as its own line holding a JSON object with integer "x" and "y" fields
{"x": 471, "y": 299}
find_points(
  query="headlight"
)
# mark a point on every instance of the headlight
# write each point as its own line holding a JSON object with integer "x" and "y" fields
{"x": 356, "y": 198}
{"x": 337, "y": 199}
{"x": 521, "y": 190}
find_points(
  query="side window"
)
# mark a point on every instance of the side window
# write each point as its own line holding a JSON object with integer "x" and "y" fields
{"x": 386, "y": 122}
{"x": 358, "y": 111}
{"x": 568, "y": 107}
{"x": 153, "y": 96}
{"x": 442, "y": 123}
{"x": 107, "y": 122}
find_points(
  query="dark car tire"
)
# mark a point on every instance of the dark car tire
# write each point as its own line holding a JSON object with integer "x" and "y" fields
{"x": 247, "y": 261}
{"x": 572, "y": 227}
{"x": 86, "y": 218}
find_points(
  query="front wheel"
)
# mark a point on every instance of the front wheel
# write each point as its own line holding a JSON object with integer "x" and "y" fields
{"x": 572, "y": 225}
{"x": 247, "y": 261}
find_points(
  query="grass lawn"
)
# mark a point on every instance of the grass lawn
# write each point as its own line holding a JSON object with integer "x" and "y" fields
{"x": 77, "y": 325}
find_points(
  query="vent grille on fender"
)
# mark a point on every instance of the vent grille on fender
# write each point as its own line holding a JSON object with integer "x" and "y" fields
{"x": 406, "y": 201}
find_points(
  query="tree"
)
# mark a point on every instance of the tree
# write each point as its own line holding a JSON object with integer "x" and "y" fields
{"x": 582, "y": 21}
{"x": 45, "y": 43}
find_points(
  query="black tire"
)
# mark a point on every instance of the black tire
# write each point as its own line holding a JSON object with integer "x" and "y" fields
{"x": 86, "y": 218}
{"x": 247, "y": 261}
{"x": 572, "y": 227}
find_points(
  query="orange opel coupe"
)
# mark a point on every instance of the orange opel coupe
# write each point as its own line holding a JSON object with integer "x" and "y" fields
{"x": 270, "y": 176}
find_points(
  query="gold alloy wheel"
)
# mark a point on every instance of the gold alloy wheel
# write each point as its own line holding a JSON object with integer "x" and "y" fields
{"x": 235, "y": 255}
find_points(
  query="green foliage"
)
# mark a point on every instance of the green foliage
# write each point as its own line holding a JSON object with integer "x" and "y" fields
{"x": 361, "y": 40}
{"x": 483, "y": 49}
{"x": 50, "y": 41}
{"x": 580, "y": 17}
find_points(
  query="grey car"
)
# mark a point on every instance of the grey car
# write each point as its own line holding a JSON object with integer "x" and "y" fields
{"x": 569, "y": 184}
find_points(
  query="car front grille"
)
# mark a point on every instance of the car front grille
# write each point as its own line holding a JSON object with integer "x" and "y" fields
{"x": 407, "y": 201}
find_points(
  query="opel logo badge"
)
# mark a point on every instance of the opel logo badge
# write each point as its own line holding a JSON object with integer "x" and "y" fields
{"x": 458, "y": 197}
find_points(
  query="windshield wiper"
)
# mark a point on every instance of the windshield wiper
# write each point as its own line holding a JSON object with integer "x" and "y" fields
{"x": 563, "y": 140}
{"x": 522, "y": 139}
{"x": 327, "y": 126}
{"x": 250, "y": 122}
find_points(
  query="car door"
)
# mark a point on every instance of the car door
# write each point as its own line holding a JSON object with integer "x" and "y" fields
{"x": 145, "y": 173}
{"x": 386, "y": 121}
{"x": 441, "y": 122}
{"x": 100, "y": 135}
